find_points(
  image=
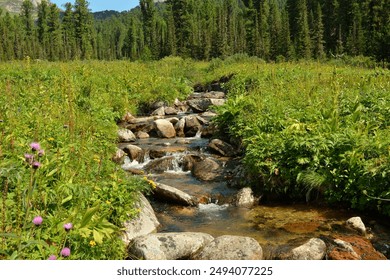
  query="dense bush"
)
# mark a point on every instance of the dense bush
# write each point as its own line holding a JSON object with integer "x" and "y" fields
{"x": 314, "y": 129}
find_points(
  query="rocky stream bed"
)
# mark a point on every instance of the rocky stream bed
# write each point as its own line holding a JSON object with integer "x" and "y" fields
{"x": 200, "y": 210}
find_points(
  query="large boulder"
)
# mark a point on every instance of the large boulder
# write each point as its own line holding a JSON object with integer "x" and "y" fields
{"x": 179, "y": 127}
{"x": 168, "y": 246}
{"x": 158, "y": 112}
{"x": 357, "y": 224}
{"x": 202, "y": 104}
{"x": 314, "y": 249}
{"x": 192, "y": 126}
{"x": 206, "y": 170}
{"x": 146, "y": 222}
{"x": 170, "y": 111}
{"x": 164, "y": 129}
{"x": 222, "y": 148}
{"x": 228, "y": 247}
{"x": 134, "y": 152}
{"x": 173, "y": 195}
{"x": 126, "y": 135}
{"x": 160, "y": 165}
{"x": 245, "y": 198}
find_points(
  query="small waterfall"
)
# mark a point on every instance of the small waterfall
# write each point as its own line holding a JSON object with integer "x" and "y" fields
{"x": 198, "y": 134}
{"x": 176, "y": 167}
{"x": 134, "y": 164}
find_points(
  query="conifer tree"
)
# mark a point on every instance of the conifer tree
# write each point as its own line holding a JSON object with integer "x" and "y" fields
{"x": 303, "y": 44}
{"x": 43, "y": 27}
{"x": 318, "y": 39}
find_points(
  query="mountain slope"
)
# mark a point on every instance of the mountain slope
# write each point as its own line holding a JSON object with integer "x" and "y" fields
{"x": 13, "y": 6}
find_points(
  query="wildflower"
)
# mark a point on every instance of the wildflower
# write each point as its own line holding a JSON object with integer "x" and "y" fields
{"x": 50, "y": 139}
{"x": 35, "y": 146}
{"x": 29, "y": 158}
{"x": 36, "y": 164}
{"x": 65, "y": 252}
{"x": 41, "y": 153}
{"x": 52, "y": 257}
{"x": 92, "y": 243}
{"x": 37, "y": 220}
{"x": 68, "y": 226}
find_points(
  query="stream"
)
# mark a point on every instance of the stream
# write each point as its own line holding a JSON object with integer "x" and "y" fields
{"x": 274, "y": 226}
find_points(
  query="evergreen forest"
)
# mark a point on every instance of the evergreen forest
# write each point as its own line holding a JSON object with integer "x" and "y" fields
{"x": 274, "y": 30}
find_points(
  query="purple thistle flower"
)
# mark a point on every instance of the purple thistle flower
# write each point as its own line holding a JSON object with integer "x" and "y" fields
{"x": 37, "y": 220}
{"x": 36, "y": 164}
{"x": 65, "y": 252}
{"x": 52, "y": 257}
{"x": 68, "y": 226}
{"x": 41, "y": 153}
{"x": 29, "y": 158}
{"x": 35, "y": 146}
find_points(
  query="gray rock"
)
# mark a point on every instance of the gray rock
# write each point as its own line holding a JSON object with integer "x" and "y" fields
{"x": 173, "y": 120}
{"x": 192, "y": 126}
{"x": 245, "y": 198}
{"x": 168, "y": 246}
{"x": 160, "y": 165}
{"x": 145, "y": 223}
{"x": 134, "y": 152}
{"x": 119, "y": 156}
{"x": 199, "y": 105}
{"x": 357, "y": 224}
{"x": 158, "y": 112}
{"x": 206, "y": 170}
{"x": 164, "y": 129}
{"x": 229, "y": 247}
{"x": 314, "y": 249}
{"x": 222, "y": 148}
{"x": 179, "y": 127}
{"x": 142, "y": 135}
{"x": 210, "y": 94}
{"x": 170, "y": 111}
{"x": 144, "y": 119}
{"x": 157, "y": 104}
{"x": 173, "y": 195}
{"x": 126, "y": 135}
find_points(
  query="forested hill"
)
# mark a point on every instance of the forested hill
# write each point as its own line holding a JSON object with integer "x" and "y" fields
{"x": 270, "y": 29}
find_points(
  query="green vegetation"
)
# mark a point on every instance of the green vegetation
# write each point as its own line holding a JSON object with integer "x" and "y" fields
{"x": 274, "y": 30}
{"x": 308, "y": 130}
{"x": 71, "y": 111}
{"x": 312, "y": 130}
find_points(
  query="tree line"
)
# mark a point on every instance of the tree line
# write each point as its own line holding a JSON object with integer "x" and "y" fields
{"x": 270, "y": 29}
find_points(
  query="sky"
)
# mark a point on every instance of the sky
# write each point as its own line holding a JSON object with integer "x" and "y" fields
{"x": 101, "y": 5}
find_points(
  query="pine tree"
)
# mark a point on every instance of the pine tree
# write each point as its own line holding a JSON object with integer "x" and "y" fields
{"x": 275, "y": 24}
{"x": 303, "y": 44}
{"x": 83, "y": 28}
{"x": 149, "y": 26}
{"x": 54, "y": 29}
{"x": 69, "y": 33}
{"x": 318, "y": 39}
{"x": 43, "y": 27}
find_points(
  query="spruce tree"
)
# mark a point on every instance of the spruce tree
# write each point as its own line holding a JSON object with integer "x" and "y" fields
{"x": 303, "y": 44}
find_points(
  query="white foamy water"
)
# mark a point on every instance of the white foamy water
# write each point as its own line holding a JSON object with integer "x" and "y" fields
{"x": 212, "y": 207}
{"x": 129, "y": 164}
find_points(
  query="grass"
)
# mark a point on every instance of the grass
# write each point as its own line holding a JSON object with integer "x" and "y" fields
{"x": 306, "y": 127}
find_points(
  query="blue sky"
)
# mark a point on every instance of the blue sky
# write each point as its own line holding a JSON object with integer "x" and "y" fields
{"x": 101, "y": 5}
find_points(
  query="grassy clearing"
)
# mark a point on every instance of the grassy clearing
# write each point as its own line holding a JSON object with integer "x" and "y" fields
{"x": 307, "y": 128}
{"x": 71, "y": 109}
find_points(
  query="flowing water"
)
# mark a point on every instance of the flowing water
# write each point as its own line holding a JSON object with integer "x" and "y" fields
{"x": 272, "y": 226}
